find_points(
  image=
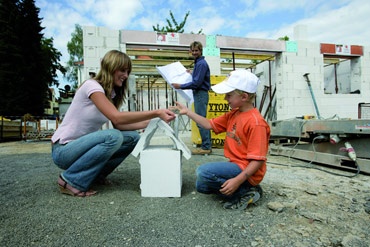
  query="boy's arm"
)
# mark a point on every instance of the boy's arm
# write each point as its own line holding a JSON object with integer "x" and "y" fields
{"x": 251, "y": 169}
{"x": 202, "y": 121}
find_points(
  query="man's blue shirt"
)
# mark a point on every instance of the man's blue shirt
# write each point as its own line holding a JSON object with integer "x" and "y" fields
{"x": 201, "y": 76}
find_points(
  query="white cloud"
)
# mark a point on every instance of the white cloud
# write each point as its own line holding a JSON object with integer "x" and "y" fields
{"x": 208, "y": 25}
{"x": 345, "y": 25}
{"x": 59, "y": 22}
{"x": 116, "y": 14}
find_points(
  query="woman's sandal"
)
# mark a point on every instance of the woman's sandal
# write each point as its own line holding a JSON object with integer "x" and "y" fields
{"x": 65, "y": 188}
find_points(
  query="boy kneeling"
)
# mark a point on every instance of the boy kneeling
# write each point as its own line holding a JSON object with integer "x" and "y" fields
{"x": 246, "y": 144}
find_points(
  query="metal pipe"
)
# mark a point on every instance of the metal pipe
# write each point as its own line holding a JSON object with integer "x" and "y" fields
{"x": 166, "y": 95}
{"x": 270, "y": 86}
{"x": 336, "y": 78}
{"x": 142, "y": 98}
{"x": 312, "y": 95}
{"x": 233, "y": 55}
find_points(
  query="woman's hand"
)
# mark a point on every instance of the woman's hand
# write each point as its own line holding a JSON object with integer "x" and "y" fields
{"x": 167, "y": 115}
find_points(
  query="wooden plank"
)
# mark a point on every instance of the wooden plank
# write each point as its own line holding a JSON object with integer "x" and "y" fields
{"x": 248, "y": 56}
{"x": 148, "y": 59}
{"x": 187, "y": 63}
{"x": 152, "y": 71}
{"x": 160, "y": 62}
{"x": 158, "y": 53}
{"x": 237, "y": 65}
{"x": 331, "y": 60}
{"x": 147, "y": 71}
{"x": 144, "y": 70}
{"x": 186, "y": 54}
{"x": 13, "y": 129}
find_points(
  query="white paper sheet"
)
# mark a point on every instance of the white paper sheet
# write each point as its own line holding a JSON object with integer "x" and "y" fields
{"x": 176, "y": 73}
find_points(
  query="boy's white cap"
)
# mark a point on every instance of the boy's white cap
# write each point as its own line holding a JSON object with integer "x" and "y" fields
{"x": 238, "y": 79}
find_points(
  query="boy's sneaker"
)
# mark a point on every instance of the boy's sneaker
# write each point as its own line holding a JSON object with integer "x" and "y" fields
{"x": 242, "y": 203}
{"x": 199, "y": 151}
{"x": 257, "y": 188}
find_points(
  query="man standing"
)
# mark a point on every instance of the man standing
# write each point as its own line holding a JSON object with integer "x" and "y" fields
{"x": 200, "y": 85}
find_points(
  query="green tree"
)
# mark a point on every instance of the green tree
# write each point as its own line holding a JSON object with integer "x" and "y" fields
{"x": 173, "y": 26}
{"x": 10, "y": 54}
{"x": 75, "y": 50}
{"x": 34, "y": 88}
{"x": 51, "y": 58}
{"x": 25, "y": 69}
{"x": 285, "y": 38}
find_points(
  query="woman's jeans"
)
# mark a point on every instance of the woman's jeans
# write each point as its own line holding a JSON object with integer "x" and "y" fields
{"x": 201, "y": 99}
{"x": 93, "y": 156}
{"x": 211, "y": 176}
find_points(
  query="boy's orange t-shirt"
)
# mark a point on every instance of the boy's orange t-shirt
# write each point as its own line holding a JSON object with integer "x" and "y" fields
{"x": 247, "y": 138}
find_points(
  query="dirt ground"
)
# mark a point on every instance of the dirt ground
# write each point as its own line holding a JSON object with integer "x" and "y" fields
{"x": 301, "y": 206}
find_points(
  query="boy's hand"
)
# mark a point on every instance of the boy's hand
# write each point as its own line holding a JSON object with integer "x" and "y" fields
{"x": 230, "y": 186}
{"x": 183, "y": 110}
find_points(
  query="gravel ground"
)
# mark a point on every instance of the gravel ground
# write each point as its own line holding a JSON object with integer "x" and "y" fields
{"x": 300, "y": 207}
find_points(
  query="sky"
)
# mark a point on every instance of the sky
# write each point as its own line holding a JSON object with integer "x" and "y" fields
{"x": 327, "y": 21}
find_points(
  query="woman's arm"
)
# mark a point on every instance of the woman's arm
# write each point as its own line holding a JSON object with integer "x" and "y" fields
{"x": 123, "y": 118}
{"x": 133, "y": 126}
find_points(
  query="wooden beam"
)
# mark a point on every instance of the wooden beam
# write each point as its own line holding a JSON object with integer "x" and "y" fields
{"x": 158, "y": 53}
{"x": 186, "y": 54}
{"x": 237, "y": 65}
{"x": 331, "y": 60}
{"x": 144, "y": 70}
{"x": 247, "y": 56}
{"x": 146, "y": 60}
{"x": 159, "y": 62}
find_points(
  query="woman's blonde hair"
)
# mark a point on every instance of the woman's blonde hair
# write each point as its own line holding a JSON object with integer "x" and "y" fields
{"x": 112, "y": 61}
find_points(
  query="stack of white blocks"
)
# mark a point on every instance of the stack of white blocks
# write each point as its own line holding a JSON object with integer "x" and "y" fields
{"x": 160, "y": 165}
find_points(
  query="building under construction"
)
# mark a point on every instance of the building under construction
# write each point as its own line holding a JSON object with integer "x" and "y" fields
{"x": 310, "y": 92}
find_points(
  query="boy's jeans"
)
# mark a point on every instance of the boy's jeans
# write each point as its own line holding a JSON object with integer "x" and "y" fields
{"x": 211, "y": 176}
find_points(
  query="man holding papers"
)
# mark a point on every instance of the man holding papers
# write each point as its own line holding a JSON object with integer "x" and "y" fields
{"x": 200, "y": 85}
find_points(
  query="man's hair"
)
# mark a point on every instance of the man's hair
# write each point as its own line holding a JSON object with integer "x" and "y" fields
{"x": 196, "y": 44}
